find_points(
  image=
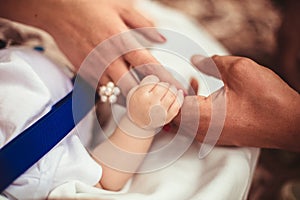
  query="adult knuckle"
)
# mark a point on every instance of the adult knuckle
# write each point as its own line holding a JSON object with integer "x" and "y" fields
{"x": 243, "y": 62}
{"x": 215, "y": 57}
{"x": 240, "y": 65}
{"x": 143, "y": 56}
{"x": 134, "y": 54}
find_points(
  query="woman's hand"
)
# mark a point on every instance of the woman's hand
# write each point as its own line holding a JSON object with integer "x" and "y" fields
{"x": 78, "y": 26}
{"x": 152, "y": 103}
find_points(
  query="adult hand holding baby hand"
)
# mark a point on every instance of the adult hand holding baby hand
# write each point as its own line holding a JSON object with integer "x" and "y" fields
{"x": 259, "y": 108}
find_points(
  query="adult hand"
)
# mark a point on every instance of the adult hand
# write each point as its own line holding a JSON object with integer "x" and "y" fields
{"x": 78, "y": 26}
{"x": 261, "y": 109}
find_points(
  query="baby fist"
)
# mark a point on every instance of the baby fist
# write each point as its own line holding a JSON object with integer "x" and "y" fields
{"x": 152, "y": 103}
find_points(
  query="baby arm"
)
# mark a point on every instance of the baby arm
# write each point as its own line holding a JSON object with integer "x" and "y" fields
{"x": 150, "y": 105}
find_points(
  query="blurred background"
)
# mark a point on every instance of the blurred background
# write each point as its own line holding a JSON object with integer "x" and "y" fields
{"x": 267, "y": 31}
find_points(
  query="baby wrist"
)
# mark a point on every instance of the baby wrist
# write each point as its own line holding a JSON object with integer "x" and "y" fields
{"x": 130, "y": 128}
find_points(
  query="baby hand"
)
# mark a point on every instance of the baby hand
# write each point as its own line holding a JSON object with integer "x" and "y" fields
{"x": 152, "y": 103}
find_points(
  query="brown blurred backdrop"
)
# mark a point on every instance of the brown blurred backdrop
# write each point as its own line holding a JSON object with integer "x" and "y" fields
{"x": 268, "y": 32}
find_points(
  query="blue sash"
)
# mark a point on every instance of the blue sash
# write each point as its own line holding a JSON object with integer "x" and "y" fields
{"x": 33, "y": 143}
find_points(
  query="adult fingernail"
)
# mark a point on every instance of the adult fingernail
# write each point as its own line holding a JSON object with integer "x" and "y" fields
{"x": 163, "y": 39}
{"x": 197, "y": 59}
{"x": 159, "y": 38}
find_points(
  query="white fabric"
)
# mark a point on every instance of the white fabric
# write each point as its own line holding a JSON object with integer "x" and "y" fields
{"x": 225, "y": 174}
{"x": 29, "y": 85}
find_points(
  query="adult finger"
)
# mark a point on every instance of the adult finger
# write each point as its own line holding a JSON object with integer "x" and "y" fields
{"x": 146, "y": 64}
{"x": 104, "y": 80}
{"x": 216, "y": 66}
{"x": 231, "y": 67}
{"x": 136, "y": 55}
{"x": 194, "y": 87}
{"x": 206, "y": 65}
{"x": 121, "y": 76}
{"x": 136, "y": 20}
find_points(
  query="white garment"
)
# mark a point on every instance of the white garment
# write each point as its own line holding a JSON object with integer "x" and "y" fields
{"x": 225, "y": 174}
{"x": 29, "y": 85}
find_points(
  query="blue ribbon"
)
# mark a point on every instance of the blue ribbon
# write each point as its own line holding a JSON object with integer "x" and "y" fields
{"x": 33, "y": 143}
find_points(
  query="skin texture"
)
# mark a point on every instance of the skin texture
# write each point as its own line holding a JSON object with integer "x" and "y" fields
{"x": 261, "y": 109}
{"x": 128, "y": 145}
{"x": 159, "y": 100}
{"x": 78, "y": 26}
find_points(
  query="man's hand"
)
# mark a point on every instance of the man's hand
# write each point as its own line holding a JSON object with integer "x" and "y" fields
{"x": 153, "y": 104}
{"x": 261, "y": 109}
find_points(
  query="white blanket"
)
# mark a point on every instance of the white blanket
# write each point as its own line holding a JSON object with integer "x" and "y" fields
{"x": 225, "y": 173}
